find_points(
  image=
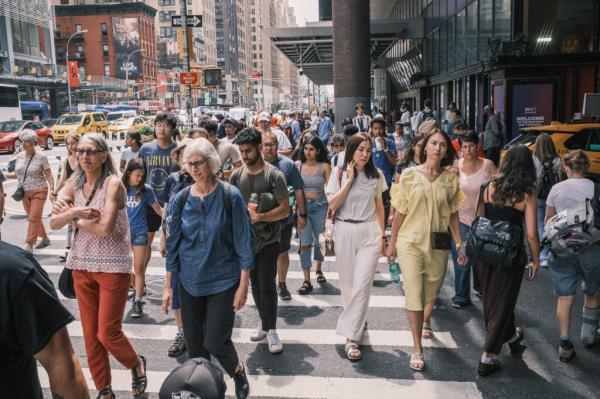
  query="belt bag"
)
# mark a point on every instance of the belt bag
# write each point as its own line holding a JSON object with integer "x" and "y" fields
{"x": 20, "y": 191}
{"x": 441, "y": 240}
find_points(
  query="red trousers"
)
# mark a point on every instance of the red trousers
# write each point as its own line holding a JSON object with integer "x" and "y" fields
{"x": 102, "y": 298}
{"x": 33, "y": 202}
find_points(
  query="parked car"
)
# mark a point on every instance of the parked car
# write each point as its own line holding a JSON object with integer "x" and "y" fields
{"x": 118, "y": 128}
{"x": 9, "y": 135}
{"x": 112, "y": 117}
{"x": 79, "y": 124}
{"x": 566, "y": 137}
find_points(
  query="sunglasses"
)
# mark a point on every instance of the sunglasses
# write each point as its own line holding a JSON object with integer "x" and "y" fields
{"x": 195, "y": 164}
{"x": 87, "y": 152}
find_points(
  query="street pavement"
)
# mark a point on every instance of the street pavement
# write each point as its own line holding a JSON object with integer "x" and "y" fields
{"x": 313, "y": 363}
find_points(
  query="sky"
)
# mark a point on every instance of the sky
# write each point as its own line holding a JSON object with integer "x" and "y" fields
{"x": 305, "y": 10}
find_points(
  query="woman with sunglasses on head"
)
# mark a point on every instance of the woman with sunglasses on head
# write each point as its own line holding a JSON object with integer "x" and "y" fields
{"x": 210, "y": 245}
{"x": 426, "y": 200}
{"x": 354, "y": 193}
{"x": 93, "y": 200}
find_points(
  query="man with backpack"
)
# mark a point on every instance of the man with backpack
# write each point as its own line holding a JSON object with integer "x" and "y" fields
{"x": 572, "y": 231}
{"x": 265, "y": 192}
{"x": 428, "y": 113}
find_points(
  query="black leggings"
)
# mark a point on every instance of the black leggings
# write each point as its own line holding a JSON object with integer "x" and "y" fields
{"x": 264, "y": 290}
{"x": 207, "y": 326}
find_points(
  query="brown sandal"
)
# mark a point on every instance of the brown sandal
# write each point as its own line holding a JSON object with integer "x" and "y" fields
{"x": 139, "y": 382}
{"x": 321, "y": 277}
{"x": 306, "y": 288}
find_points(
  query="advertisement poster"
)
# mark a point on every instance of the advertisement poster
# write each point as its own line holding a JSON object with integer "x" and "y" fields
{"x": 73, "y": 74}
{"x": 127, "y": 40}
{"x": 531, "y": 105}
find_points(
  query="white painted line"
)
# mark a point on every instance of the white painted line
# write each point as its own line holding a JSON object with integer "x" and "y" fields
{"x": 311, "y": 387}
{"x": 324, "y": 301}
{"x": 156, "y": 254}
{"x": 293, "y": 275}
{"x": 287, "y": 335}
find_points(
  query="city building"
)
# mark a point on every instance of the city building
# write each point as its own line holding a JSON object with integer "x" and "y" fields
{"x": 117, "y": 42}
{"x": 27, "y": 57}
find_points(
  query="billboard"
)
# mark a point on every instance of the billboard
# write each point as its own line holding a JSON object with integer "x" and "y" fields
{"x": 73, "y": 74}
{"x": 126, "y": 35}
{"x": 532, "y": 104}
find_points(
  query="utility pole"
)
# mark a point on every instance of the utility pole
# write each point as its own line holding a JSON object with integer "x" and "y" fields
{"x": 186, "y": 59}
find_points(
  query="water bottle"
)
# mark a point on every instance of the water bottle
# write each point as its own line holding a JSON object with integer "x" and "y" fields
{"x": 394, "y": 272}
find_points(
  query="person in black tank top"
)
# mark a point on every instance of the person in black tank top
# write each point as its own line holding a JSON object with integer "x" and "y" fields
{"x": 511, "y": 197}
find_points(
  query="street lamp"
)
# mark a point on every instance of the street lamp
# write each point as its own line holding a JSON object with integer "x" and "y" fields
{"x": 68, "y": 77}
{"x": 141, "y": 50}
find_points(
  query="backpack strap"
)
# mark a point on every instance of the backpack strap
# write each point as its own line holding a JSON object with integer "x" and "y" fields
{"x": 480, "y": 197}
{"x": 185, "y": 193}
{"x": 226, "y": 200}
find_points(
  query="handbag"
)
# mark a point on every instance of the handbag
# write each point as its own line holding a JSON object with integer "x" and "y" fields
{"x": 326, "y": 242}
{"x": 493, "y": 242}
{"x": 65, "y": 281}
{"x": 20, "y": 191}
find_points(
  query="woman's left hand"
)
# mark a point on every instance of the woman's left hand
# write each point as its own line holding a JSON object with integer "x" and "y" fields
{"x": 241, "y": 295}
{"x": 462, "y": 257}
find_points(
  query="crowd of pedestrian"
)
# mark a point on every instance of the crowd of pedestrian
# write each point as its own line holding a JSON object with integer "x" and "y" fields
{"x": 419, "y": 193}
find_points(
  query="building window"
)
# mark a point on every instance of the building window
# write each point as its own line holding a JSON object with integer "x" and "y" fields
{"x": 25, "y": 38}
{"x": 103, "y": 29}
{"x": 106, "y": 69}
{"x": 77, "y": 27}
{"x": 105, "y": 50}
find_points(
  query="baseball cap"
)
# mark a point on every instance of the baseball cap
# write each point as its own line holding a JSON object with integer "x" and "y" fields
{"x": 197, "y": 378}
{"x": 230, "y": 120}
{"x": 264, "y": 116}
{"x": 461, "y": 123}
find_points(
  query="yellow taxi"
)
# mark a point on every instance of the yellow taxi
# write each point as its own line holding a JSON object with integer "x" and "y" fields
{"x": 567, "y": 137}
{"x": 78, "y": 124}
{"x": 119, "y": 127}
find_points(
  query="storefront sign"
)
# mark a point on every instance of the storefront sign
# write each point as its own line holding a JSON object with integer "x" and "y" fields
{"x": 127, "y": 41}
{"x": 531, "y": 105}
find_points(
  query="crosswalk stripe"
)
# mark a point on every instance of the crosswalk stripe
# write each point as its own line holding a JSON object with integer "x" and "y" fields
{"x": 325, "y": 301}
{"x": 156, "y": 254}
{"x": 312, "y": 387}
{"x": 398, "y": 338}
{"x": 294, "y": 275}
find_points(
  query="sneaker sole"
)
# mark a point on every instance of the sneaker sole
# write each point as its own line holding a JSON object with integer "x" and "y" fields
{"x": 276, "y": 352}
{"x": 175, "y": 354}
{"x": 257, "y": 339}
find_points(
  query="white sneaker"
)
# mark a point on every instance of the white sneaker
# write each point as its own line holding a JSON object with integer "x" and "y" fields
{"x": 275, "y": 345}
{"x": 258, "y": 335}
{"x": 544, "y": 263}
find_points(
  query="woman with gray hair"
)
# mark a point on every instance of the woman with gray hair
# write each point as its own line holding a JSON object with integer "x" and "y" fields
{"x": 93, "y": 200}
{"x": 34, "y": 176}
{"x": 210, "y": 245}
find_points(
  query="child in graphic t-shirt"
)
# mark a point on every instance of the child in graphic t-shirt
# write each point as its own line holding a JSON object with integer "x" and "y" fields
{"x": 140, "y": 196}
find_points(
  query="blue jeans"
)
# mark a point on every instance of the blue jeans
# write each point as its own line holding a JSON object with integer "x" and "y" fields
{"x": 462, "y": 274}
{"x": 541, "y": 213}
{"x": 316, "y": 211}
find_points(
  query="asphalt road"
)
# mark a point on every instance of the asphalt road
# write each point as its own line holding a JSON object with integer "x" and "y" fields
{"x": 313, "y": 363}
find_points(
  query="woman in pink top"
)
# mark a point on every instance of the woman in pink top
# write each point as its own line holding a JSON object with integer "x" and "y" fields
{"x": 93, "y": 200}
{"x": 473, "y": 171}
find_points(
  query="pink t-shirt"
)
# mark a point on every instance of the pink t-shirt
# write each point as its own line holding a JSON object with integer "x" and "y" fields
{"x": 470, "y": 185}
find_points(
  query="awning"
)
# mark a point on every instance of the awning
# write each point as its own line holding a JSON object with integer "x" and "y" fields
{"x": 311, "y": 47}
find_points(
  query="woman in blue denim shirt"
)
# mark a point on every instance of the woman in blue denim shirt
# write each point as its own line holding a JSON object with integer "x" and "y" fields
{"x": 315, "y": 170}
{"x": 213, "y": 260}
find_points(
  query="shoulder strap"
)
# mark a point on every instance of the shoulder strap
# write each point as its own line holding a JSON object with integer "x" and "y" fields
{"x": 27, "y": 167}
{"x": 185, "y": 193}
{"x": 480, "y": 197}
{"x": 340, "y": 173}
{"x": 226, "y": 200}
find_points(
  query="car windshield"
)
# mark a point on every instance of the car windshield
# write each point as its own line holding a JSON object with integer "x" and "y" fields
{"x": 527, "y": 138}
{"x": 10, "y": 126}
{"x": 114, "y": 117}
{"x": 69, "y": 120}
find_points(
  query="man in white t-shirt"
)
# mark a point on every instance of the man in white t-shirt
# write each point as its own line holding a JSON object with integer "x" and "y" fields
{"x": 284, "y": 147}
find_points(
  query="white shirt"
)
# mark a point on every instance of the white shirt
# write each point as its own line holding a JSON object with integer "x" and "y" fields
{"x": 363, "y": 122}
{"x": 405, "y": 118}
{"x": 340, "y": 159}
{"x": 128, "y": 154}
{"x": 569, "y": 192}
{"x": 282, "y": 140}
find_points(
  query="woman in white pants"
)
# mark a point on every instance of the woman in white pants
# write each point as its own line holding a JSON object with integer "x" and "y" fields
{"x": 354, "y": 193}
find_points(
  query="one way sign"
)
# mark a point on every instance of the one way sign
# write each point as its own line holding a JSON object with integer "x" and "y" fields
{"x": 193, "y": 21}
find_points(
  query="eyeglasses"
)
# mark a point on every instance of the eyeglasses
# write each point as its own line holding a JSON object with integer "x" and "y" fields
{"x": 87, "y": 152}
{"x": 337, "y": 145}
{"x": 270, "y": 145}
{"x": 195, "y": 164}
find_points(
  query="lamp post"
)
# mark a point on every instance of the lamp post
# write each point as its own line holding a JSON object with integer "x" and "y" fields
{"x": 140, "y": 50}
{"x": 67, "y": 56}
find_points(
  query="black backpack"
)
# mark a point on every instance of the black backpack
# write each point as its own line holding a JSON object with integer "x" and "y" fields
{"x": 428, "y": 115}
{"x": 548, "y": 179}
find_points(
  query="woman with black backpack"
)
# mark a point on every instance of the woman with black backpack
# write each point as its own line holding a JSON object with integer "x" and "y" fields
{"x": 509, "y": 197}
{"x": 547, "y": 163}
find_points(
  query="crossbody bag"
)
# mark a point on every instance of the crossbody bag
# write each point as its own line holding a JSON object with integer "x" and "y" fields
{"x": 20, "y": 191}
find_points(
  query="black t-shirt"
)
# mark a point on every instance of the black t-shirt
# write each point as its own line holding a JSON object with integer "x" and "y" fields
{"x": 30, "y": 314}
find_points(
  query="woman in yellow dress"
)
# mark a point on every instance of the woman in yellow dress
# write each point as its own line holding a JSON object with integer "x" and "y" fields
{"x": 426, "y": 200}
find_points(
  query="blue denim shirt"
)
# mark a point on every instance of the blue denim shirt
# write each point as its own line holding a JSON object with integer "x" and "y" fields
{"x": 202, "y": 244}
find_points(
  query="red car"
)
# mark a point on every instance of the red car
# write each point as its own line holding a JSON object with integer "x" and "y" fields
{"x": 9, "y": 135}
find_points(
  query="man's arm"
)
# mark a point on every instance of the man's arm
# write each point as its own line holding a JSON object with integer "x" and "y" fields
{"x": 281, "y": 211}
{"x": 63, "y": 368}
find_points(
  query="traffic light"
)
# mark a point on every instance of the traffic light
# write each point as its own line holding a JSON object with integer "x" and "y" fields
{"x": 212, "y": 77}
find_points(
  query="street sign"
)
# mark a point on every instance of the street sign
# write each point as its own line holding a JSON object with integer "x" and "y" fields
{"x": 188, "y": 78}
{"x": 193, "y": 21}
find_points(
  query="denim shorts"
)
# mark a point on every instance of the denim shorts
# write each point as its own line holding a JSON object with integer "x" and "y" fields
{"x": 139, "y": 239}
{"x": 566, "y": 272}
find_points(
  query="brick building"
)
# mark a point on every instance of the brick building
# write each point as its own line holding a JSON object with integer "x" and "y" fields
{"x": 119, "y": 37}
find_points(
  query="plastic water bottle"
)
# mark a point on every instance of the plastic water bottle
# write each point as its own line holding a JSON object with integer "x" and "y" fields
{"x": 394, "y": 272}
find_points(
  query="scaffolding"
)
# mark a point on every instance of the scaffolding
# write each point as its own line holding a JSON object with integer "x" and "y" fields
{"x": 36, "y": 12}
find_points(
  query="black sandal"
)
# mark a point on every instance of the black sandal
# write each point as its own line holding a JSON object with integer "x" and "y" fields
{"x": 139, "y": 383}
{"x": 320, "y": 277}
{"x": 306, "y": 288}
{"x": 106, "y": 391}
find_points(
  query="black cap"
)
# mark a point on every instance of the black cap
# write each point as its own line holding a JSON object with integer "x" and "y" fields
{"x": 460, "y": 124}
{"x": 230, "y": 120}
{"x": 196, "y": 378}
